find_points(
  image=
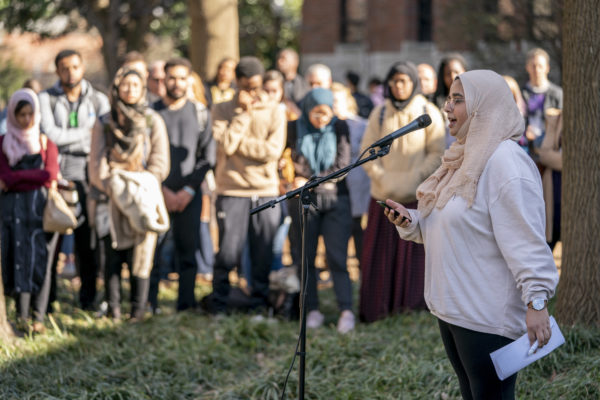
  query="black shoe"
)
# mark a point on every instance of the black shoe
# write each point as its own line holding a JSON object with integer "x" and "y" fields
{"x": 208, "y": 305}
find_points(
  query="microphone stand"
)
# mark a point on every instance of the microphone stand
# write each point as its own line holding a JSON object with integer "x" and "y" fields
{"x": 305, "y": 198}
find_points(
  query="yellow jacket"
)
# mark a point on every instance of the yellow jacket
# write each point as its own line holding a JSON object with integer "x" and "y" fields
{"x": 412, "y": 157}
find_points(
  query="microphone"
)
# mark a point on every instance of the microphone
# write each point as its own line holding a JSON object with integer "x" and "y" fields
{"x": 419, "y": 123}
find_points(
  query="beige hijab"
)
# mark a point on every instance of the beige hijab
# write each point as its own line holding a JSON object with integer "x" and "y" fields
{"x": 493, "y": 117}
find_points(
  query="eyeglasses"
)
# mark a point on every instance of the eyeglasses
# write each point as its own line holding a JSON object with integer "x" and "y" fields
{"x": 451, "y": 103}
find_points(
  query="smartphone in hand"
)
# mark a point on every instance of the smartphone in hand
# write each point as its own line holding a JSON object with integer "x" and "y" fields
{"x": 396, "y": 213}
{"x": 384, "y": 205}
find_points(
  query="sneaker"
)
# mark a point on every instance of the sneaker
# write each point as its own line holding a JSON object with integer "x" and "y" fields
{"x": 346, "y": 322}
{"x": 314, "y": 319}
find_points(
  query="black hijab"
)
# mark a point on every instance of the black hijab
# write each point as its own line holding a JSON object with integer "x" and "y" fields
{"x": 407, "y": 68}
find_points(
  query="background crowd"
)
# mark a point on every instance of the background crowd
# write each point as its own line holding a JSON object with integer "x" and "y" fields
{"x": 164, "y": 154}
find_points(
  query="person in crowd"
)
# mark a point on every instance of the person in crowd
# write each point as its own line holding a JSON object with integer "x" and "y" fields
{"x": 134, "y": 59}
{"x": 376, "y": 91}
{"x": 428, "y": 81}
{"x": 363, "y": 102}
{"x": 222, "y": 88}
{"x": 204, "y": 253}
{"x": 69, "y": 111}
{"x": 320, "y": 144}
{"x": 28, "y": 166}
{"x": 450, "y": 66}
{"x": 516, "y": 92}
{"x": 319, "y": 75}
{"x": 192, "y": 156}
{"x": 196, "y": 89}
{"x": 273, "y": 82}
{"x": 250, "y": 134}
{"x": 295, "y": 86}
{"x": 273, "y": 85}
{"x": 33, "y": 84}
{"x": 358, "y": 182}
{"x": 130, "y": 149}
{"x": 539, "y": 95}
{"x": 156, "y": 81}
{"x": 550, "y": 157}
{"x": 30, "y": 83}
{"x": 392, "y": 268}
{"x": 489, "y": 272}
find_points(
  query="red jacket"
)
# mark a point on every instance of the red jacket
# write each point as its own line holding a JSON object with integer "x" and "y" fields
{"x": 30, "y": 179}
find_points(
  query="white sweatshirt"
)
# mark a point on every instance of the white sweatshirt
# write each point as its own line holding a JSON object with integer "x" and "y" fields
{"x": 485, "y": 263}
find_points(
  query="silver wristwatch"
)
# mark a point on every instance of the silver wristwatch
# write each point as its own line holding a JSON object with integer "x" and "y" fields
{"x": 538, "y": 303}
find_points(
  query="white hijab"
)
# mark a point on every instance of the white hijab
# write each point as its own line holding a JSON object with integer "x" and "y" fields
{"x": 18, "y": 141}
{"x": 493, "y": 117}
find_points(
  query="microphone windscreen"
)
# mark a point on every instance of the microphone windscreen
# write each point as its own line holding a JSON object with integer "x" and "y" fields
{"x": 424, "y": 120}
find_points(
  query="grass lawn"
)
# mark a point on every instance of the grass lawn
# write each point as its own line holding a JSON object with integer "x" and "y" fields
{"x": 191, "y": 356}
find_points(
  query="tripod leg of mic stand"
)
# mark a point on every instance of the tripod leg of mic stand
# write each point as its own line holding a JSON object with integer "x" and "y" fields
{"x": 306, "y": 201}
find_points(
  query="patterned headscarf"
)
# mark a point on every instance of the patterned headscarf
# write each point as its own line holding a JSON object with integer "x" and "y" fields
{"x": 19, "y": 142}
{"x": 126, "y": 139}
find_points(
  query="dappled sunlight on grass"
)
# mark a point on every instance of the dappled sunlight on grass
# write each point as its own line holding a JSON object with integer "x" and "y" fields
{"x": 193, "y": 356}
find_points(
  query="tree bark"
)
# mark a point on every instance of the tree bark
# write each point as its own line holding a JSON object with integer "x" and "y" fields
{"x": 6, "y": 331}
{"x": 215, "y": 34}
{"x": 578, "y": 300}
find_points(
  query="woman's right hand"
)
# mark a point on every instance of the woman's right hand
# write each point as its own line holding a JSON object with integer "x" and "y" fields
{"x": 402, "y": 219}
{"x": 2, "y": 185}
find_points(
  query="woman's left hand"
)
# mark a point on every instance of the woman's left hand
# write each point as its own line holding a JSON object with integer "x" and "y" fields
{"x": 538, "y": 326}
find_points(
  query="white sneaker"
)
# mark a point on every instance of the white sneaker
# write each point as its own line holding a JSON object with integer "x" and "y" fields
{"x": 314, "y": 319}
{"x": 346, "y": 322}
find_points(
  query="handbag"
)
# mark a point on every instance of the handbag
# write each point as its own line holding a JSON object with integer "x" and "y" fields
{"x": 58, "y": 216}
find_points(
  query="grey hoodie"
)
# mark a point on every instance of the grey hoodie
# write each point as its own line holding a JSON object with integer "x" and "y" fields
{"x": 73, "y": 142}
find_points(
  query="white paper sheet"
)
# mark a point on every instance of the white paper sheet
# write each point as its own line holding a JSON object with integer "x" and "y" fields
{"x": 513, "y": 357}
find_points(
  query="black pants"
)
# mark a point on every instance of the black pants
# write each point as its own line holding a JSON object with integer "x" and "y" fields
{"x": 236, "y": 225}
{"x": 112, "y": 281}
{"x": 185, "y": 228}
{"x": 333, "y": 221}
{"x": 85, "y": 256}
{"x": 469, "y": 353}
{"x": 87, "y": 263}
{"x": 357, "y": 234}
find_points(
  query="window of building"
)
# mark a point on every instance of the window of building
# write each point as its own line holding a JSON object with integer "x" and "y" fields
{"x": 425, "y": 21}
{"x": 353, "y": 21}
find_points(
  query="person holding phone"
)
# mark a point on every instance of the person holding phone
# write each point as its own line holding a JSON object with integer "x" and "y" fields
{"x": 489, "y": 272}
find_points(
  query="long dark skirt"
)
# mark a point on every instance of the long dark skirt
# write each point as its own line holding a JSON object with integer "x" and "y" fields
{"x": 24, "y": 251}
{"x": 393, "y": 270}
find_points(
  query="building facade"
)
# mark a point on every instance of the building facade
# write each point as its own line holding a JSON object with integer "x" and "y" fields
{"x": 367, "y": 36}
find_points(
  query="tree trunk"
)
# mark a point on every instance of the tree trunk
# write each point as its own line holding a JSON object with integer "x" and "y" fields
{"x": 6, "y": 332}
{"x": 578, "y": 300}
{"x": 215, "y": 34}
